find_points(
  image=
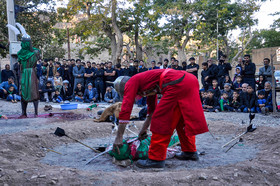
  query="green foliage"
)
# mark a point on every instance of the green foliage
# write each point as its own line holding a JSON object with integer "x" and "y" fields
{"x": 38, "y": 22}
{"x": 264, "y": 39}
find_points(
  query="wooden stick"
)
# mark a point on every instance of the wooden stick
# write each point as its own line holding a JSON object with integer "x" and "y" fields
{"x": 83, "y": 144}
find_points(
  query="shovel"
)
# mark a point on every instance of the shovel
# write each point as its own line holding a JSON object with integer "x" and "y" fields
{"x": 60, "y": 132}
{"x": 250, "y": 128}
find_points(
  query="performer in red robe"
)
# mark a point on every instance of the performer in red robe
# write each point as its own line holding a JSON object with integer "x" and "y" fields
{"x": 179, "y": 108}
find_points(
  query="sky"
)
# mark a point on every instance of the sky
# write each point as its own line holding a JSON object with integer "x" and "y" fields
{"x": 268, "y": 7}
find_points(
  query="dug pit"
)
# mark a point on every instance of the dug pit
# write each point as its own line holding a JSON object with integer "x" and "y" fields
{"x": 75, "y": 155}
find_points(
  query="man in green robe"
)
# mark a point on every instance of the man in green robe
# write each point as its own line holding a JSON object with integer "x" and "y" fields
{"x": 29, "y": 91}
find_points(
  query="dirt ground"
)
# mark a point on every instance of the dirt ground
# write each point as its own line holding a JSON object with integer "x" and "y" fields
{"x": 24, "y": 159}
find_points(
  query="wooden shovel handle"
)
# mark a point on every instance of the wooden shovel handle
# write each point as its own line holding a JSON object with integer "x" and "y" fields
{"x": 83, "y": 144}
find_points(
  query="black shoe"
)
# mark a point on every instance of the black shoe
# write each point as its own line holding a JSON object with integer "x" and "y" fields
{"x": 187, "y": 156}
{"x": 146, "y": 164}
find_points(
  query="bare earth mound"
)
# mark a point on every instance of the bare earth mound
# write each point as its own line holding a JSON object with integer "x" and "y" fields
{"x": 25, "y": 160}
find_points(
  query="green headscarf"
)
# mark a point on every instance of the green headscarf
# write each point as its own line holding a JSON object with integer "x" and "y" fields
{"x": 24, "y": 54}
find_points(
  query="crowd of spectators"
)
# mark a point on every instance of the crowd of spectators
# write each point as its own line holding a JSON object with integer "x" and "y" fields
{"x": 74, "y": 80}
{"x": 243, "y": 93}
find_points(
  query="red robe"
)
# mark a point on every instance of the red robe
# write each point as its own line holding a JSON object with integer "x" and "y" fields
{"x": 185, "y": 94}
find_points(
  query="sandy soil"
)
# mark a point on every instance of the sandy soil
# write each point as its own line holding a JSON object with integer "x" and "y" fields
{"x": 25, "y": 161}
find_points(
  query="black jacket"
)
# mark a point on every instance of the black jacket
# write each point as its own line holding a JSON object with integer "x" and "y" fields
{"x": 212, "y": 102}
{"x": 249, "y": 71}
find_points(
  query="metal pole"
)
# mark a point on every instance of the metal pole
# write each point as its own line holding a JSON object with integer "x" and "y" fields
{"x": 217, "y": 37}
{"x": 68, "y": 43}
{"x": 273, "y": 85}
{"x": 12, "y": 36}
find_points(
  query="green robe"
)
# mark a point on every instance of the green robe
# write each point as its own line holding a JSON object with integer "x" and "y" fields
{"x": 28, "y": 81}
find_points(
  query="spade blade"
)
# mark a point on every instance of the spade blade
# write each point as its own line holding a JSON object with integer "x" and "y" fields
{"x": 59, "y": 132}
{"x": 251, "y": 128}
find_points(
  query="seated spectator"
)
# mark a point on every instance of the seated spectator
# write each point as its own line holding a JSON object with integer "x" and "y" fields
{"x": 237, "y": 73}
{"x": 57, "y": 81}
{"x": 215, "y": 88}
{"x": 57, "y": 97}
{"x": 12, "y": 96}
{"x": 90, "y": 94}
{"x": 242, "y": 95}
{"x": 227, "y": 80}
{"x": 228, "y": 90}
{"x": 4, "y": 87}
{"x": 79, "y": 93}
{"x": 203, "y": 96}
{"x": 238, "y": 84}
{"x": 224, "y": 102}
{"x": 111, "y": 95}
{"x": 48, "y": 91}
{"x": 261, "y": 103}
{"x": 234, "y": 105}
{"x": 260, "y": 83}
{"x": 66, "y": 91}
{"x": 6, "y": 73}
{"x": 250, "y": 102}
{"x": 268, "y": 96}
{"x": 211, "y": 102}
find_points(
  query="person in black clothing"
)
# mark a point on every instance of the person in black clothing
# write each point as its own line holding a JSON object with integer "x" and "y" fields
{"x": 79, "y": 92}
{"x": 173, "y": 59}
{"x": 17, "y": 72}
{"x": 260, "y": 83}
{"x": 223, "y": 68}
{"x": 213, "y": 71}
{"x": 243, "y": 96}
{"x": 227, "y": 80}
{"x": 89, "y": 74}
{"x": 248, "y": 71}
{"x": 48, "y": 91}
{"x": 71, "y": 76}
{"x": 204, "y": 74}
{"x": 176, "y": 66}
{"x": 66, "y": 91}
{"x": 165, "y": 63}
{"x": 59, "y": 68}
{"x": 142, "y": 67}
{"x": 134, "y": 68}
{"x": 193, "y": 67}
{"x": 250, "y": 102}
{"x": 65, "y": 67}
{"x": 99, "y": 82}
{"x": 215, "y": 89}
{"x": 211, "y": 102}
{"x": 110, "y": 74}
{"x": 126, "y": 69}
{"x": 184, "y": 65}
{"x": 119, "y": 70}
{"x": 6, "y": 73}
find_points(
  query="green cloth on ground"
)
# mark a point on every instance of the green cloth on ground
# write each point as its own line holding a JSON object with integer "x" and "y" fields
{"x": 124, "y": 152}
{"x": 142, "y": 150}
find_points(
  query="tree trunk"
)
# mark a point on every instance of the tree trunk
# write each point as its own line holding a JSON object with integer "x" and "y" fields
{"x": 234, "y": 63}
{"x": 139, "y": 51}
{"x": 181, "y": 49}
{"x": 227, "y": 46}
{"x": 118, "y": 32}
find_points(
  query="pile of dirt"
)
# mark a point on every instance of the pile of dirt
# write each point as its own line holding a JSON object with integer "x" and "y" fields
{"x": 25, "y": 159}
